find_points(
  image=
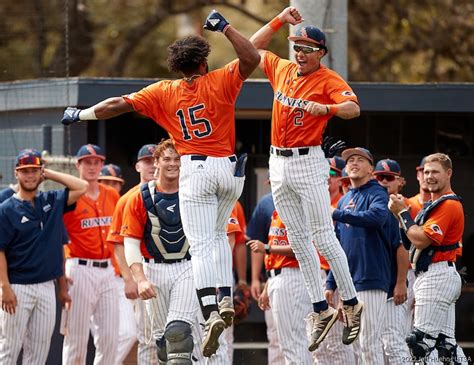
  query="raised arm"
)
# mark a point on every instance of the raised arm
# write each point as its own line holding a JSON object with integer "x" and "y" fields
{"x": 246, "y": 52}
{"x": 106, "y": 109}
{"x": 77, "y": 187}
{"x": 263, "y": 36}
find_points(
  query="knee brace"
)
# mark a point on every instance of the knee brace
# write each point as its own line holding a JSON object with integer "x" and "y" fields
{"x": 161, "y": 345}
{"x": 419, "y": 349}
{"x": 446, "y": 351}
{"x": 179, "y": 343}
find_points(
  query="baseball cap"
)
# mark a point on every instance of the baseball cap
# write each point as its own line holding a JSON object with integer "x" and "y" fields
{"x": 336, "y": 164}
{"x": 359, "y": 151}
{"x": 310, "y": 33}
{"x": 28, "y": 158}
{"x": 146, "y": 151}
{"x": 90, "y": 150}
{"x": 387, "y": 167}
{"x": 421, "y": 166}
{"x": 111, "y": 172}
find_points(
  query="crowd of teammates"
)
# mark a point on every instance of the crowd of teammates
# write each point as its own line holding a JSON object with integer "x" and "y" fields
{"x": 167, "y": 256}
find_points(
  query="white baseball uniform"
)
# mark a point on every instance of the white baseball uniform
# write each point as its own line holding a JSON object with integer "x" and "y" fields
{"x": 31, "y": 326}
{"x": 300, "y": 192}
{"x": 208, "y": 192}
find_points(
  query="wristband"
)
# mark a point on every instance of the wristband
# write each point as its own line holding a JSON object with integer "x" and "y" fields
{"x": 275, "y": 24}
{"x": 332, "y": 109}
{"x": 266, "y": 246}
{"x": 225, "y": 28}
{"x": 406, "y": 220}
{"x": 87, "y": 114}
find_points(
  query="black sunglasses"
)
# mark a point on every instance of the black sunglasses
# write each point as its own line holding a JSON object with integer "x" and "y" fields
{"x": 304, "y": 49}
{"x": 389, "y": 178}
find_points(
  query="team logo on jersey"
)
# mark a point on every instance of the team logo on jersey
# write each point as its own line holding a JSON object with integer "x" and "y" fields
{"x": 24, "y": 219}
{"x": 171, "y": 208}
{"x": 277, "y": 232}
{"x": 47, "y": 208}
{"x": 96, "y": 222}
{"x": 347, "y": 93}
{"x": 436, "y": 229}
{"x": 232, "y": 220}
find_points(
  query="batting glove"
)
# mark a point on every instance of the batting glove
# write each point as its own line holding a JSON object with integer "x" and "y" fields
{"x": 332, "y": 149}
{"x": 215, "y": 22}
{"x": 70, "y": 116}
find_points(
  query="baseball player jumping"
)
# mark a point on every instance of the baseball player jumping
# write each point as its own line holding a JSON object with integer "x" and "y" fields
{"x": 31, "y": 258}
{"x": 198, "y": 113}
{"x": 306, "y": 96}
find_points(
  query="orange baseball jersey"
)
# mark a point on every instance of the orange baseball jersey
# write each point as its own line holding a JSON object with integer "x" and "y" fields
{"x": 234, "y": 225}
{"x": 134, "y": 220}
{"x": 444, "y": 226}
{"x": 200, "y": 117}
{"x": 322, "y": 260}
{"x": 239, "y": 213}
{"x": 291, "y": 125}
{"x": 88, "y": 225}
{"x": 114, "y": 236}
{"x": 415, "y": 205}
{"x": 277, "y": 237}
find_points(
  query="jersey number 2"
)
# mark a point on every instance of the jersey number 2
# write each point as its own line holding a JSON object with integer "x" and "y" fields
{"x": 199, "y": 133}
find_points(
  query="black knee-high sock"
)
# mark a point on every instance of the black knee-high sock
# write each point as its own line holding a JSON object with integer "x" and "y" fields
{"x": 208, "y": 308}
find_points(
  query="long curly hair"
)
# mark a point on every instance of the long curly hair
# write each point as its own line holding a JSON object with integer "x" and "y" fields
{"x": 185, "y": 55}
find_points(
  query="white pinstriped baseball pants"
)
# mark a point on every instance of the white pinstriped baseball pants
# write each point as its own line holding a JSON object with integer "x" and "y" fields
{"x": 31, "y": 326}
{"x": 368, "y": 348}
{"x": 275, "y": 356}
{"x": 208, "y": 191}
{"x": 394, "y": 333}
{"x": 94, "y": 298}
{"x": 290, "y": 305}
{"x": 147, "y": 349}
{"x": 331, "y": 350}
{"x": 301, "y": 196}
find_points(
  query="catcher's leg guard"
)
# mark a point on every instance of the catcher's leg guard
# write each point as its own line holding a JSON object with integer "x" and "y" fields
{"x": 161, "y": 345}
{"x": 446, "y": 351}
{"x": 179, "y": 343}
{"x": 419, "y": 349}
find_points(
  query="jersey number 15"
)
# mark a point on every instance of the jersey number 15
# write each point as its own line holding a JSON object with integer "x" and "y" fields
{"x": 203, "y": 126}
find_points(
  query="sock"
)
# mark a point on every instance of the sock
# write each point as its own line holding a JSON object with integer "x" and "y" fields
{"x": 223, "y": 291}
{"x": 207, "y": 301}
{"x": 320, "y": 306}
{"x": 350, "y": 302}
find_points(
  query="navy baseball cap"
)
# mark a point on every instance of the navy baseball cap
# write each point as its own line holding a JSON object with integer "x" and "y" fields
{"x": 28, "y": 158}
{"x": 387, "y": 167}
{"x": 146, "y": 151}
{"x": 359, "y": 151}
{"x": 90, "y": 150}
{"x": 310, "y": 33}
{"x": 111, "y": 172}
{"x": 336, "y": 164}
{"x": 421, "y": 166}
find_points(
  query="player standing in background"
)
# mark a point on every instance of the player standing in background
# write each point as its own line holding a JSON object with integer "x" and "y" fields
{"x": 416, "y": 202}
{"x": 331, "y": 351}
{"x": 433, "y": 239}
{"x": 198, "y": 113}
{"x": 257, "y": 229}
{"x": 127, "y": 288}
{"x": 387, "y": 172}
{"x": 89, "y": 265}
{"x": 31, "y": 258}
{"x": 306, "y": 96}
{"x": 157, "y": 252}
{"x": 285, "y": 293}
{"x": 111, "y": 175}
{"x": 364, "y": 231}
